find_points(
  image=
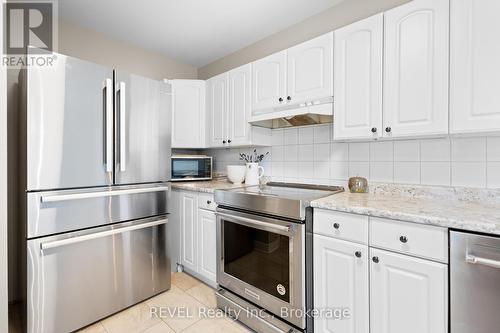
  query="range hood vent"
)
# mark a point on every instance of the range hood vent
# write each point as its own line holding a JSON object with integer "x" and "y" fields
{"x": 307, "y": 113}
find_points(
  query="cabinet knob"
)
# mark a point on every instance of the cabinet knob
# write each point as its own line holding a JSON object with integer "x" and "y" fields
{"x": 289, "y": 98}
{"x": 336, "y": 225}
{"x": 209, "y": 202}
{"x": 357, "y": 254}
{"x": 375, "y": 260}
{"x": 228, "y": 141}
{"x": 388, "y": 129}
{"x": 224, "y": 141}
{"x": 374, "y": 130}
{"x": 403, "y": 239}
{"x": 280, "y": 99}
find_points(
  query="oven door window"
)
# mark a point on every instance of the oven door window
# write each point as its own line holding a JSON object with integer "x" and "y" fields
{"x": 259, "y": 258}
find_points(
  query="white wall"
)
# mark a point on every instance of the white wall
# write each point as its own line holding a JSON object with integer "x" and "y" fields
{"x": 308, "y": 154}
{"x": 94, "y": 46}
{"x": 3, "y": 188}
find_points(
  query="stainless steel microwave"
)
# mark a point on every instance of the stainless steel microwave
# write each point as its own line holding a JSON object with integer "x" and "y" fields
{"x": 191, "y": 167}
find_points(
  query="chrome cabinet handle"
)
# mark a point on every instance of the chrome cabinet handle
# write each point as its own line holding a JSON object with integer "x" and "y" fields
{"x": 374, "y": 130}
{"x": 471, "y": 259}
{"x": 358, "y": 254}
{"x": 108, "y": 105}
{"x": 336, "y": 226}
{"x": 375, "y": 260}
{"x": 403, "y": 239}
{"x": 89, "y": 195}
{"x": 123, "y": 125}
{"x": 78, "y": 239}
{"x": 256, "y": 222}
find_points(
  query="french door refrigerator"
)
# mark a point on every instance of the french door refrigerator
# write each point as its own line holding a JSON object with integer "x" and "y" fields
{"x": 95, "y": 169}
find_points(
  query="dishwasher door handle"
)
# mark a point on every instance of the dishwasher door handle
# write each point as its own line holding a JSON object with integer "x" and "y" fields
{"x": 482, "y": 261}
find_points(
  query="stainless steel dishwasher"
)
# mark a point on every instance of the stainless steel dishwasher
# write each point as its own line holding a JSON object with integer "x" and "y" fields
{"x": 474, "y": 283}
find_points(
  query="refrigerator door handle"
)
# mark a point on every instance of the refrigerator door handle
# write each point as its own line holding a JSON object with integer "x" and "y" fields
{"x": 108, "y": 105}
{"x": 123, "y": 125}
{"x": 78, "y": 239}
{"x": 89, "y": 195}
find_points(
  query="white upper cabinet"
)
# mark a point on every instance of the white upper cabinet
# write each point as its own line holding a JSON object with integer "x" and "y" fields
{"x": 341, "y": 281}
{"x": 239, "y": 111}
{"x": 217, "y": 105}
{"x": 188, "y": 114}
{"x": 358, "y": 79}
{"x": 475, "y": 66}
{"x": 310, "y": 69}
{"x": 407, "y": 294}
{"x": 416, "y": 69}
{"x": 269, "y": 81}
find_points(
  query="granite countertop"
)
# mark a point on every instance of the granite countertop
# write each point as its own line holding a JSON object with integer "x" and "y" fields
{"x": 206, "y": 186}
{"x": 464, "y": 209}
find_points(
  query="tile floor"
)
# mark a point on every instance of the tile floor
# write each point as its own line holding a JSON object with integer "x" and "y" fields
{"x": 188, "y": 294}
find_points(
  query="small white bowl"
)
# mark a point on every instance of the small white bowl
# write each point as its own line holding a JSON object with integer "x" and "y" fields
{"x": 236, "y": 173}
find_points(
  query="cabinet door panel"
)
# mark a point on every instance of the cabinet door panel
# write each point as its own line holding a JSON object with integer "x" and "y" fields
{"x": 341, "y": 282}
{"x": 217, "y": 99}
{"x": 239, "y": 105}
{"x": 416, "y": 68}
{"x": 189, "y": 230}
{"x": 310, "y": 69}
{"x": 475, "y": 66}
{"x": 407, "y": 294}
{"x": 207, "y": 245}
{"x": 358, "y": 79}
{"x": 188, "y": 114}
{"x": 269, "y": 81}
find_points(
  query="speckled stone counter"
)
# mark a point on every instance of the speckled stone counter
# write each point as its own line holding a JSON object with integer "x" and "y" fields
{"x": 460, "y": 208}
{"x": 205, "y": 186}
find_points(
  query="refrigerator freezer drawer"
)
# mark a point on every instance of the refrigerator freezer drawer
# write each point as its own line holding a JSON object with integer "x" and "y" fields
{"x": 78, "y": 278}
{"x": 68, "y": 210}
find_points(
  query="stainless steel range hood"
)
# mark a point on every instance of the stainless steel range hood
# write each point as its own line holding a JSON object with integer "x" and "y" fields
{"x": 307, "y": 113}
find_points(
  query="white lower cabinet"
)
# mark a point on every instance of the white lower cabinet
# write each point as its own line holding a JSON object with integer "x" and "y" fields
{"x": 207, "y": 244}
{"x": 188, "y": 225}
{"x": 384, "y": 291}
{"x": 341, "y": 282}
{"x": 197, "y": 235}
{"x": 407, "y": 294}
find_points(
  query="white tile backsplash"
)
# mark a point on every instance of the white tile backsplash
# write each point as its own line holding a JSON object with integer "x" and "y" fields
{"x": 306, "y": 135}
{"x": 493, "y": 175}
{"x": 407, "y": 151}
{"x": 290, "y": 136}
{"x": 359, "y": 152}
{"x": 308, "y": 154}
{"x": 382, "y": 151}
{"x": 435, "y": 173}
{"x": 493, "y": 152}
{"x": 435, "y": 150}
{"x": 407, "y": 172}
{"x": 469, "y": 174}
{"x": 468, "y": 149}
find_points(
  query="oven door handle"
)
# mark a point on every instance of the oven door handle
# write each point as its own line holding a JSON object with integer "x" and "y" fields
{"x": 257, "y": 222}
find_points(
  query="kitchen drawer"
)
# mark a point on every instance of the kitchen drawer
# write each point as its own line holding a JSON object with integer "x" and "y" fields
{"x": 345, "y": 226}
{"x": 410, "y": 238}
{"x": 206, "y": 201}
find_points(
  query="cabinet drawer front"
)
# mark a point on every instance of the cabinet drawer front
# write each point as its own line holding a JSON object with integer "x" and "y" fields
{"x": 206, "y": 201}
{"x": 346, "y": 226}
{"x": 410, "y": 238}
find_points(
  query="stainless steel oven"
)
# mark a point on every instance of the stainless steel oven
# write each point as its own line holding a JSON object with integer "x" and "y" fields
{"x": 191, "y": 167}
{"x": 262, "y": 258}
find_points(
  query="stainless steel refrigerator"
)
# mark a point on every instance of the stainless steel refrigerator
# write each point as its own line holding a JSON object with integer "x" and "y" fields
{"x": 95, "y": 170}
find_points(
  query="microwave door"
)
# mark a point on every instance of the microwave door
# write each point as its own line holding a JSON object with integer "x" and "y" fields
{"x": 68, "y": 112}
{"x": 142, "y": 129}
